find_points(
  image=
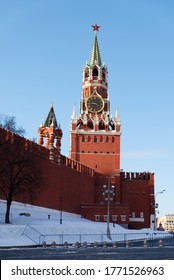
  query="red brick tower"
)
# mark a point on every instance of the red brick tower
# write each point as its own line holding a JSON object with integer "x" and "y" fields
{"x": 51, "y": 131}
{"x": 95, "y": 135}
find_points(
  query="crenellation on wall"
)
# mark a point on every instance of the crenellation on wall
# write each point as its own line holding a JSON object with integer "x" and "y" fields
{"x": 135, "y": 175}
{"x": 73, "y": 164}
{"x": 7, "y": 136}
{"x": 43, "y": 152}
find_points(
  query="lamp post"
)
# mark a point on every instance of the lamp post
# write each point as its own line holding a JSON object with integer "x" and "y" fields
{"x": 61, "y": 200}
{"x": 156, "y": 206}
{"x": 108, "y": 193}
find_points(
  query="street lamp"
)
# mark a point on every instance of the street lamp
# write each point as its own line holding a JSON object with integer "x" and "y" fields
{"x": 108, "y": 193}
{"x": 156, "y": 206}
{"x": 61, "y": 200}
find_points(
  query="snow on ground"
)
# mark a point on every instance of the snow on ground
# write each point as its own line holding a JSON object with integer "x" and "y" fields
{"x": 39, "y": 227}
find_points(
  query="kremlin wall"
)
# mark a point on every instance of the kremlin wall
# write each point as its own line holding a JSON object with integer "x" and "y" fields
{"x": 73, "y": 187}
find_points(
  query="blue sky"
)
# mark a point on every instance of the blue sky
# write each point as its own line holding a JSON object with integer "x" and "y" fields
{"x": 45, "y": 44}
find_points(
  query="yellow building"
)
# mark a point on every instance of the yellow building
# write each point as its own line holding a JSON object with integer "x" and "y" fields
{"x": 167, "y": 222}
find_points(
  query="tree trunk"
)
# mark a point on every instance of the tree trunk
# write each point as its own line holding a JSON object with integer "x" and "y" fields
{"x": 7, "y": 215}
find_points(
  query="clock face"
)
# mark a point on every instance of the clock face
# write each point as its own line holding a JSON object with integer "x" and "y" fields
{"x": 94, "y": 104}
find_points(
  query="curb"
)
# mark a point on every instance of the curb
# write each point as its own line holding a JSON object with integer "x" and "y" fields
{"x": 20, "y": 247}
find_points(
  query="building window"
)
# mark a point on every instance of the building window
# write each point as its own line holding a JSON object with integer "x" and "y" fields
{"x": 141, "y": 215}
{"x": 107, "y": 139}
{"x": 105, "y": 218}
{"x": 95, "y": 72}
{"x": 86, "y": 73}
{"x": 97, "y": 218}
{"x": 123, "y": 218}
{"x": 90, "y": 124}
{"x": 89, "y": 138}
{"x": 114, "y": 218}
{"x": 133, "y": 214}
{"x": 95, "y": 138}
{"x": 83, "y": 138}
{"x": 101, "y": 125}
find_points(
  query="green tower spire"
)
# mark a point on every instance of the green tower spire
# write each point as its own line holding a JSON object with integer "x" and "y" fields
{"x": 95, "y": 53}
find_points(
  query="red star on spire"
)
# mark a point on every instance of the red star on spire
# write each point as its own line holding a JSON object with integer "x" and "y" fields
{"x": 95, "y": 27}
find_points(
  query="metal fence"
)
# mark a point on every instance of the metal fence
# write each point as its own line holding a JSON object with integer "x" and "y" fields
{"x": 121, "y": 240}
{"x": 32, "y": 234}
{"x": 138, "y": 239}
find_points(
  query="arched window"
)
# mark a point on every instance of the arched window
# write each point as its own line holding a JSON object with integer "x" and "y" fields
{"x": 95, "y": 138}
{"x": 111, "y": 125}
{"x": 101, "y": 125}
{"x": 95, "y": 72}
{"x": 90, "y": 124}
{"x": 87, "y": 73}
{"x": 79, "y": 124}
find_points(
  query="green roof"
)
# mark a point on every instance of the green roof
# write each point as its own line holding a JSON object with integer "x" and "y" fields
{"x": 95, "y": 58}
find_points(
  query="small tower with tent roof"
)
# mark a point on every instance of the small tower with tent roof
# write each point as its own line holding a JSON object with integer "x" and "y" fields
{"x": 50, "y": 133}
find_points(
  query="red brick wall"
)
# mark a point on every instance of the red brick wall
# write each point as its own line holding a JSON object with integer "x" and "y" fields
{"x": 65, "y": 184}
{"x": 103, "y": 156}
{"x": 137, "y": 189}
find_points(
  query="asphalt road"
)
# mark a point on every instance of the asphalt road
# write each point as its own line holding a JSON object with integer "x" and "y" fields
{"x": 155, "y": 253}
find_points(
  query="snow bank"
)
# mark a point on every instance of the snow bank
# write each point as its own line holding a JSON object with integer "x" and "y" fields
{"x": 33, "y": 225}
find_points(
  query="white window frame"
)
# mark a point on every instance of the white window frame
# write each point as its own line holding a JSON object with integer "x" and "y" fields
{"x": 114, "y": 218}
{"x": 123, "y": 218}
{"x": 97, "y": 218}
{"x": 105, "y": 218}
{"x": 133, "y": 214}
{"x": 141, "y": 214}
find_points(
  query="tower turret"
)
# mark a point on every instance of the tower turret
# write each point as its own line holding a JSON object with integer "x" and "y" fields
{"x": 51, "y": 131}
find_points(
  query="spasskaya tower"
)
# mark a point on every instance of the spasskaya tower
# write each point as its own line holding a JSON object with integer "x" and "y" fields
{"x": 95, "y": 134}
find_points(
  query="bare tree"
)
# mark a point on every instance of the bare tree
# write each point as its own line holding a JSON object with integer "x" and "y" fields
{"x": 19, "y": 172}
{"x": 9, "y": 123}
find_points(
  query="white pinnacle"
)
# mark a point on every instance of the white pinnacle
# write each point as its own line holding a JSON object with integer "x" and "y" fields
{"x": 74, "y": 112}
{"x": 117, "y": 118}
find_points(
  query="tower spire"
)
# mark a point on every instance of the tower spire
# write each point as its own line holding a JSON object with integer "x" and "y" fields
{"x": 95, "y": 53}
{"x": 51, "y": 118}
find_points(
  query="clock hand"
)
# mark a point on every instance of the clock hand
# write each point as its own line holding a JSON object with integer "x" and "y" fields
{"x": 95, "y": 103}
